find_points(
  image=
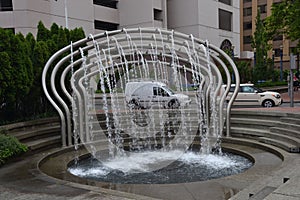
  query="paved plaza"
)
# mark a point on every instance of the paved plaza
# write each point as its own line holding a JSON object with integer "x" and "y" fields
{"x": 21, "y": 179}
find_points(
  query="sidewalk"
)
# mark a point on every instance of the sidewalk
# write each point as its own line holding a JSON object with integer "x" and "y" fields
{"x": 286, "y": 98}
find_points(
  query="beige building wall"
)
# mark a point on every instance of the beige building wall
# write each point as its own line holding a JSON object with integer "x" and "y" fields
{"x": 141, "y": 13}
{"x": 278, "y": 45}
{"x": 197, "y": 17}
{"x": 82, "y": 13}
{"x": 27, "y": 13}
{"x": 201, "y": 18}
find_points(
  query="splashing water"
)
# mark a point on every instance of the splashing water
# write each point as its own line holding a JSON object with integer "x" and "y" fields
{"x": 136, "y": 167}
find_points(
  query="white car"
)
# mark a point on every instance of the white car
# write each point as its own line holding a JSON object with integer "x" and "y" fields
{"x": 146, "y": 94}
{"x": 249, "y": 95}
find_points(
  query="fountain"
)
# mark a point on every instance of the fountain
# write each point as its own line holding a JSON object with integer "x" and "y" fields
{"x": 135, "y": 144}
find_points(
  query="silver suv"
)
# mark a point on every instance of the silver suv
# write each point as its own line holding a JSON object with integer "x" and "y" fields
{"x": 249, "y": 95}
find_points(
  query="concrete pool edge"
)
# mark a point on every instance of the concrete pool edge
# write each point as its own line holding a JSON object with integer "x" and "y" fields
{"x": 109, "y": 189}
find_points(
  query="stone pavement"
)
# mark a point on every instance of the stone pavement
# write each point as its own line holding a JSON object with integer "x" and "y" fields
{"x": 286, "y": 98}
{"x": 21, "y": 180}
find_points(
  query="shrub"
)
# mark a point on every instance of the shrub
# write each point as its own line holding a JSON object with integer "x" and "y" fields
{"x": 9, "y": 147}
{"x": 271, "y": 84}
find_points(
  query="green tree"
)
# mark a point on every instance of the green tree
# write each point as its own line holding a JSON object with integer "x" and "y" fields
{"x": 6, "y": 70}
{"x": 43, "y": 33}
{"x": 260, "y": 44}
{"x": 5, "y": 79}
{"x": 21, "y": 63}
{"x": 284, "y": 19}
{"x": 76, "y": 34}
{"x": 16, "y": 67}
{"x": 31, "y": 43}
{"x": 244, "y": 69}
{"x": 40, "y": 55}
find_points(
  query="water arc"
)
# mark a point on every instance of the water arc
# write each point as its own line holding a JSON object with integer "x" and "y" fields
{"x": 108, "y": 61}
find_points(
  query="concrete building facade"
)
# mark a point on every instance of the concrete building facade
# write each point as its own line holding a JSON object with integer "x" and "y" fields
{"x": 214, "y": 20}
{"x": 92, "y": 15}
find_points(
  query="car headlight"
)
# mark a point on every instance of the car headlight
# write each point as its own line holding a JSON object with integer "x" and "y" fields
{"x": 276, "y": 96}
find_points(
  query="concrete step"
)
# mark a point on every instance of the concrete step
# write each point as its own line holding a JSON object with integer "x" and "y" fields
{"x": 37, "y": 132}
{"x": 253, "y": 123}
{"x": 281, "y": 144}
{"x": 284, "y": 138}
{"x": 289, "y": 143}
{"x": 274, "y": 116}
{"x": 43, "y": 143}
{"x": 29, "y": 125}
{"x": 264, "y": 192}
{"x": 285, "y": 131}
{"x": 291, "y": 120}
{"x": 288, "y": 123}
{"x": 253, "y": 132}
{"x": 256, "y": 133}
{"x": 289, "y": 189}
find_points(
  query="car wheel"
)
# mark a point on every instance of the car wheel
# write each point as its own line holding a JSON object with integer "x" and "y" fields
{"x": 134, "y": 104}
{"x": 173, "y": 104}
{"x": 268, "y": 103}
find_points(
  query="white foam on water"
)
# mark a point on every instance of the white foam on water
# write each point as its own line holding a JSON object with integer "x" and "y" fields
{"x": 210, "y": 160}
{"x": 153, "y": 160}
{"x": 93, "y": 171}
{"x": 143, "y": 162}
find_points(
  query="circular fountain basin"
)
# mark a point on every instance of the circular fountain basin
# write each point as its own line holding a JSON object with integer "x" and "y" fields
{"x": 137, "y": 168}
{"x": 58, "y": 164}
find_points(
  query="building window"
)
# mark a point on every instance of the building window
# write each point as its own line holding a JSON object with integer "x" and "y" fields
{"x": 262, "y": 8}
{"x": 247, "y": 1}
{"x": 158, "y": 14}
{"x": 278, "y": 38}
{"x": 225, "y": 20}
{"x": 228, "y": 2}
{"x": 247, "y": 26}
{"x": 226, "y": 46}
{"x": 277, "y": 52}
{"x": 106, "y": 3}
{"x": 247, "y": 11}
{"x": 100, "y": 25}
{"x": 247, "y": 39}
{"x": 6, "y": 5}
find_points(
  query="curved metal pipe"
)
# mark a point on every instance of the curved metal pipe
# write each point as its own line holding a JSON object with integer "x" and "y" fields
{"x": 175, "y": 39}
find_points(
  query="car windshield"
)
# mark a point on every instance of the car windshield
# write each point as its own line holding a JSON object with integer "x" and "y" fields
{"x": 246, "y": 88}
{"x": 258, "y": 89}
{"x": 168, "y": 90}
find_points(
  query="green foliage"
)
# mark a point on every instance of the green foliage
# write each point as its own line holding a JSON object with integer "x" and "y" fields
{"x": 9, "y": 147}
{"x": 272, "y": 84}
{"x": 285, "y": 19}
{"x": 43, "y": 33}
{"x": 16, "y": 72}
{"x": 5, "y": 78}
{"x": 22, "y": 60}
{"x": 260, "y": 43}
{"x": 245, "y": 71}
